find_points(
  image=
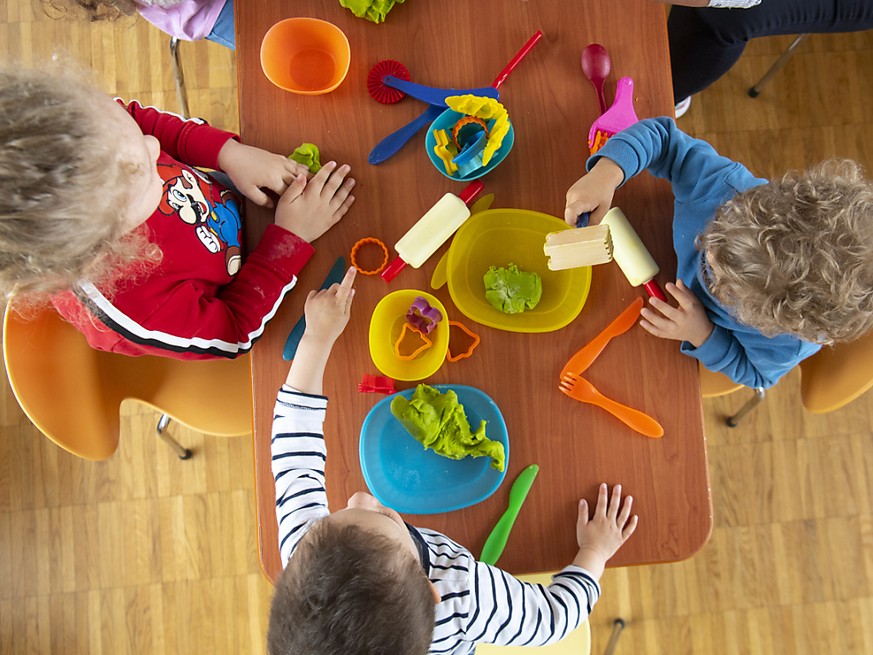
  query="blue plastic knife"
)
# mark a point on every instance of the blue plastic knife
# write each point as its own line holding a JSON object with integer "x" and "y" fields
{"x": 336, "y": 274}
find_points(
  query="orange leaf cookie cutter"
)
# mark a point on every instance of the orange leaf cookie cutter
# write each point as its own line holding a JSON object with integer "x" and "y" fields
{"x": 470, "y": 348}
{"x": 407, "y": 329}
{"x": 366, "y": 241}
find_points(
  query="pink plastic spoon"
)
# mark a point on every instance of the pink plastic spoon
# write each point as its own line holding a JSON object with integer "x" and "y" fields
{"x": 596, "y": 66}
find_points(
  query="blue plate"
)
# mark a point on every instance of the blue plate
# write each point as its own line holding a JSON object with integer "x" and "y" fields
{"x": 404, "y": 476}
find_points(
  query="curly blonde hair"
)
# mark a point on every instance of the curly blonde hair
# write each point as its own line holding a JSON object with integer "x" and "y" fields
{"x": 795, "y": 256}
{"x": 61, "y": 186}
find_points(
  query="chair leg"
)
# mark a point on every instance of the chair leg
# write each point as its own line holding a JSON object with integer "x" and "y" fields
{"x": 617, "y": 627}
{"x": 754, "y": 401}
{"x": 179, "y": 77}
{"x": 755, "y": 90}
{"x": 163, "y": 422}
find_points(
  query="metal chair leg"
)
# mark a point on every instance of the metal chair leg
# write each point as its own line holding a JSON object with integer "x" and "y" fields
{"x": 617, "y": 627}
{"x": 179, "y": 76}
{"x": 753, "y": 402}
{"x": 181, "y": 452}
{"x": 755, "y": 90}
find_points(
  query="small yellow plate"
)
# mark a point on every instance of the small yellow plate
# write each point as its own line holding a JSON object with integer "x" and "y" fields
{"x": 497, "y": 237}
{"x": 385, "y": 327}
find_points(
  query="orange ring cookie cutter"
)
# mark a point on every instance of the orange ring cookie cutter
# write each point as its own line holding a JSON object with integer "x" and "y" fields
{"x": 470, "y": 349}
{"x": 408, "y": 329}
{"x": 467, "y": 120}
{"x": 365, "y": 242}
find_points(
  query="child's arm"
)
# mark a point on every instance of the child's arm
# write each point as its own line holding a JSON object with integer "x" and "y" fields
{"x": 194, "y": 142}
{"x": 692, "y": 166}
{"x": 298, "y": 450}
{"x": 507, "y": 611}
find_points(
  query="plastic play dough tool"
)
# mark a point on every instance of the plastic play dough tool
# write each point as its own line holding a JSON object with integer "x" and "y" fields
{"x": 580, "y": 362}
{"x": 432, "y": 230}
{"x": 496, "y": 541}
{"x": 336, "y": 273}
{"x": 619, "y": 116}
{"x": 578, "y": 388}
{"x": 631, "y": 254}
{"x": 585, "y": 246}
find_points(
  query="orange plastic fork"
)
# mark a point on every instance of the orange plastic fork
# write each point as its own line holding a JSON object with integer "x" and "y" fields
{"x": 582, "y": 390}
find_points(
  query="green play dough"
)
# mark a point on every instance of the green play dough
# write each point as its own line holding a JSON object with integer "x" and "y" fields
{"x": 372, "y": 10}
{"x": 439, "y": 422}
{"x": 511, "y": 290}
{"x": 308, "y": 155}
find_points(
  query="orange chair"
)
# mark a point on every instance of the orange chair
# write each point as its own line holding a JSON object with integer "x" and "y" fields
{"x": 830, "y": 379}
{"x": 834, "y": 377}
{"x": 73, "y": 393}
{"x": 714, "y": 384}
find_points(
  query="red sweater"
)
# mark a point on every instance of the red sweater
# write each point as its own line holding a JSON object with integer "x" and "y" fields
{"x": 198, "y": 303}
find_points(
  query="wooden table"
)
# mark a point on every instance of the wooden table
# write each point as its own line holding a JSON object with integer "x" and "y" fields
{"x": 465, "y": 44}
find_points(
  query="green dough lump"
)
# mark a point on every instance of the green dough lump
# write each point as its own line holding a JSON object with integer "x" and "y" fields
{"x": 511, "y": 290}
{"x": 308, "y": 155}
{"x": 372, "y": 10}
{"x": 439, "y": 422}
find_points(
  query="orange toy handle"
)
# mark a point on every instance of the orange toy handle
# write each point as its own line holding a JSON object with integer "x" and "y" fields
{"x": 633, "y": 418}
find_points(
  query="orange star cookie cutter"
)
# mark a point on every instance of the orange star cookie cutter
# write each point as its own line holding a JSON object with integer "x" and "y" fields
{"x": 368, "y": 241}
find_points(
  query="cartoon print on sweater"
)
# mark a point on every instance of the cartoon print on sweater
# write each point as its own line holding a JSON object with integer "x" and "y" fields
{"x": 215, "y": 215}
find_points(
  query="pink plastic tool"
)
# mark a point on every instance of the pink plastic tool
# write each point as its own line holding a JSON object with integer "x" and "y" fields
{"x": 619, "y": 116}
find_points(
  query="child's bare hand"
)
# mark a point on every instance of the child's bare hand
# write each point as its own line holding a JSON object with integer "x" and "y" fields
{"x": 603, "y": 534}
{"x": 311, "y": 208}
{"x": 327, "y": 311}
{"x": 252, "y": 169}
{"x": 687, "y": 322}
{"x": 593, "y": 192}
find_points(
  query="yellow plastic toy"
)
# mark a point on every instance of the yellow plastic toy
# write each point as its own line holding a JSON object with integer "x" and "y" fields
{"x": 386, "y": 325}
{"x": 487, "y": 108}
{"x": 445, "y": 150}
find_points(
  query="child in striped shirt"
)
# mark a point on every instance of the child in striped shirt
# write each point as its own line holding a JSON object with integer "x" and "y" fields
{"x": 362, "y": 581}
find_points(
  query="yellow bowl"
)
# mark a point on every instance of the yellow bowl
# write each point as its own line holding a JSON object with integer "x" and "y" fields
{"x": 496, "y": 237}
{"x": 385, "y": 326}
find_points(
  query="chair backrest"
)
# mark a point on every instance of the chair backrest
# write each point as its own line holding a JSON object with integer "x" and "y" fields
{"x": 72, "y": 393}
{"x": 834, "y": 377}
{"x": 715, "y": 384}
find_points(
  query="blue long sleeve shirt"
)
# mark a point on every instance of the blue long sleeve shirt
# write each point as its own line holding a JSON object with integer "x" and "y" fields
{"x": 702, "y": 181}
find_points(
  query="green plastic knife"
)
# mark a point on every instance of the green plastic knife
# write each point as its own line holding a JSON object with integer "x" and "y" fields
{"x": 496, "y": 541}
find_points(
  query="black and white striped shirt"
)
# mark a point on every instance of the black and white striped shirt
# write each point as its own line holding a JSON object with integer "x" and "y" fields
{"x": 479, "y": 603}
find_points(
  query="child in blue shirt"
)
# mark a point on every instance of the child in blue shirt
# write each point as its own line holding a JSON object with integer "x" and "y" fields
{"x": 768, "y": 272}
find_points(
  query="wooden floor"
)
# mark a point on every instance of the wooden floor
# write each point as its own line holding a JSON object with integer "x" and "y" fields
{"x": 148, "y": 554}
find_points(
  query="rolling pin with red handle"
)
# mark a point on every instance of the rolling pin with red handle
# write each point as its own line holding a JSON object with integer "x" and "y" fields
{"x": 631, "y": 254}
{"x": 432, "y": 230}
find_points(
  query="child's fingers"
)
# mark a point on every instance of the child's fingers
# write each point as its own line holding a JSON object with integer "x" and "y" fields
{"x": 339, "y": 197}
{"x": 624, "y": 514}
{"x": 654, "y": 331}
{"x": 293, "y": 169}
{"x": 614, "y": 502}
{"x": 349, "y": 278}
{"x": 343, "y": 208}
{"x": 583, "y": 512}
{"x": 681, "y": 294}
{"x": 320, "y": 178}
{"x": 602, "y": 501}
{"x": 666, "y": 309}
{"x": 294, "y": 190}
{"x": 334, "y": 182}
{"x": 628, "y": 530}
{"x": 656, "y": 320}
{"x": 257, "y": 196}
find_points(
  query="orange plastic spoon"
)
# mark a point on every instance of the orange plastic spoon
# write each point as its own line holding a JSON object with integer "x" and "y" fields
{"x": 581, "y": 389}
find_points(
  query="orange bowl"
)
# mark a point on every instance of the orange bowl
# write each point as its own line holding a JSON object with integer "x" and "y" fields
{"x": 305, "y": 55}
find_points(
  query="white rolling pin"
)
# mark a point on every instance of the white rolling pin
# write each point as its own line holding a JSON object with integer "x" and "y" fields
{"x": 631, "y": 254}
{"x": 432, "y": 230}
